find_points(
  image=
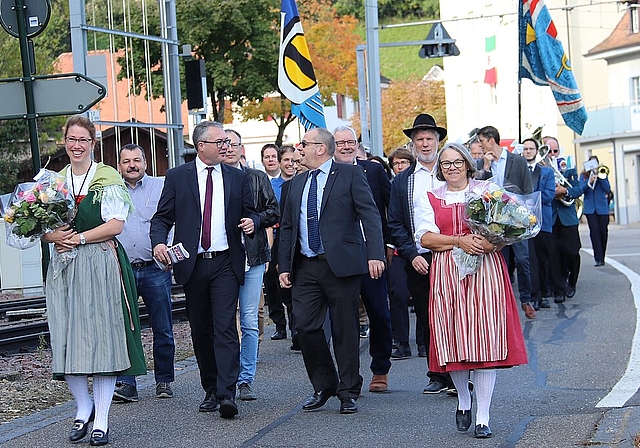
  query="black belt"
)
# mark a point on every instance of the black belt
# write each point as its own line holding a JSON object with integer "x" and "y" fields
{"x": 317, "y": 257}
{"x": 214, "y": 254}
{"x": 140, "y": 264}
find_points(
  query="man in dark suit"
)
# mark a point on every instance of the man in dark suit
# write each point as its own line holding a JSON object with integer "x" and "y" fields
{"x": 511, "y": 172}
{"x": 542, "y": 246}
{"x": 211, "y": 205}
{"x": 372, "y": 291}
{"x": 323, "y": 255}
{"x": 565, "y": 228}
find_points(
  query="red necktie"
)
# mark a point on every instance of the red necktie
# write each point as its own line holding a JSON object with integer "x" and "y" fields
{"x": 206, "y": 216}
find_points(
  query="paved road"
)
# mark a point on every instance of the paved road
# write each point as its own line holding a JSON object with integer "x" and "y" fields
{"x": 578, "y": 353}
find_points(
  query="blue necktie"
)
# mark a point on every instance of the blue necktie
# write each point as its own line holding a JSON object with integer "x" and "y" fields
{"x": 312, "y": 214}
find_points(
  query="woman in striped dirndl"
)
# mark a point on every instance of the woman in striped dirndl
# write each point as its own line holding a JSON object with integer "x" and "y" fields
{"x": 473, "y": 319}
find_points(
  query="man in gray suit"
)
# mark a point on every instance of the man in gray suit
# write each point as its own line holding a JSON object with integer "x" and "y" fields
{"x": 322, "y": 255}
{"x": 511, "y": 172}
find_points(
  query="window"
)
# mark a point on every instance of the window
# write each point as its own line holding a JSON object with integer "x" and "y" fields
{"x": 634, "y": 95}
{"x": 634, "y": 19}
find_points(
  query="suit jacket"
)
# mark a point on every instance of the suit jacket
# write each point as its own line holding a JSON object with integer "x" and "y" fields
{"x": 180, "y": 205}
{"x": 596, "y": 200}
{"x": 400, "y": 215}
{"x": 381, "y": 189}
{"x": 517, "y": 178}
{"x": 346, "y": 202}
{"x": 544, "y": 181}
{"x": 567, "y": 214}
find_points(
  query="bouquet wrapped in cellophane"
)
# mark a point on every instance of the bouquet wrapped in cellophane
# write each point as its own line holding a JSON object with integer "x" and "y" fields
{"x": 36, "y": 208}
{"x": 502, "y": 217}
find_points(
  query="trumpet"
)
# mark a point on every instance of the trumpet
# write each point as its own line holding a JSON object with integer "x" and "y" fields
{"x": 544, "y": 159}
{"x": 602, "y": 172}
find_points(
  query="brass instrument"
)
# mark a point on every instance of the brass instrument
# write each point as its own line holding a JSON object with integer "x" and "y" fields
{"x": 544, "y": 159}
{"x": 602, "y": 172}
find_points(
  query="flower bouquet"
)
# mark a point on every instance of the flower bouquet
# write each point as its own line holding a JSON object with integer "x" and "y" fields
{"x": 36, "y": 208}
{"x": 501, "y": 217}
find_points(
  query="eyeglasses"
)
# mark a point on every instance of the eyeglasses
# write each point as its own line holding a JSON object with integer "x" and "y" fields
{"x": 341, "y": 143}
{"x": 219, "y": 143}
{"x": 305, "y": 144}
{"x": 74, "y": 140}
{"x": 401, "y": 163}
{"x": 554, "y": 151}
{"x": 446, "y": 164}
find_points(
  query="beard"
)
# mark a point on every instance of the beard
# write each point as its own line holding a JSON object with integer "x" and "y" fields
{"x": 427, "y": 158}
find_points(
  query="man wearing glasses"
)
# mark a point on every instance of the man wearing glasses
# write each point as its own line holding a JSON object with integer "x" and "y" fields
{"x": 372, "y": 291}
{"x": 322, "y": 255}
{"x": 211, "y": 205}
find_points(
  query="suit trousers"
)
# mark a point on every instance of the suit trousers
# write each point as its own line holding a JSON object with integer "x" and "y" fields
{"x": 316, "y": 289}
{"x": 273, "y": 299}
{"x": 568, "y": 244}
{"x": 599, "y": 234}
{"x": 212, "y": 299}
{"x": 399, "y": 300}
{"x": 374, "y": 297}
{"x": 420, "y": 287}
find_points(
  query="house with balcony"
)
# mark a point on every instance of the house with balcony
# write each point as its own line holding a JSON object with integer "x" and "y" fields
{"x": 614, "y": 127}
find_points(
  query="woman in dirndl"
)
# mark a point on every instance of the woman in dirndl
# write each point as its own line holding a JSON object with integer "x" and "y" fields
{"x": 474, "y": 320}
{"x": 90, "y": 288}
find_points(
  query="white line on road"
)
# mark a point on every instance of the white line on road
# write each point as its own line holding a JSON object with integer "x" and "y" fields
{"x": 617, "y": 255}
{"x": 628, "y": 384}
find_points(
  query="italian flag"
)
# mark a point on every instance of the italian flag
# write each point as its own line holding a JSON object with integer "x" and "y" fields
{"x": 490, "y": 75}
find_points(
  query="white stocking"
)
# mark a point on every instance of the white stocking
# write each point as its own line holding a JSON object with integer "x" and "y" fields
{"x": 103, "y": 387}
{"x": 461, "y": 381}
{"x": 79, "y": 387}
{"x": 484, "y": 381}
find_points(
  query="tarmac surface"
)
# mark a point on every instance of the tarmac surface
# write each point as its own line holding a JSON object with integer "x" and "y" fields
{"x": 579, "y": 388}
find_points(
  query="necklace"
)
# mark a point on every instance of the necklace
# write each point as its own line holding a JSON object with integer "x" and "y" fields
{"x": 73, "y": 187}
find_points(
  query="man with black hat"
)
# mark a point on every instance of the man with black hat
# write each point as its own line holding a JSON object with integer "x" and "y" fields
{"x": 406, "y": 190}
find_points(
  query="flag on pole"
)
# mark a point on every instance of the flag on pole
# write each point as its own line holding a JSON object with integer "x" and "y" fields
{"x": 296, "y": 78}
{"x": 490, "y": 74}
{"x": 544, "y": 61}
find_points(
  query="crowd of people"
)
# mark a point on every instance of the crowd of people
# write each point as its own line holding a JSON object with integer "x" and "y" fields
{"x": 343, "y": 245}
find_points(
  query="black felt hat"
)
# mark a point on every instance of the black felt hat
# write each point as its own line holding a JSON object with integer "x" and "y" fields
{"x": 425, "y": 121}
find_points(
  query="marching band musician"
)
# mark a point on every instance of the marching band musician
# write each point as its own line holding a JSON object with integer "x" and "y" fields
{"x": 596, "y": 208}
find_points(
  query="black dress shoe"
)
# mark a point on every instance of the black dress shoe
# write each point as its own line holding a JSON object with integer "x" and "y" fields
{"x": 434, "y": 387}
{"x": 402, "y": 352}
{"x": 536, "y": 305}
{"x": 544, "y": 303}
{"x": 482, "y": 432}
{"x": 422, "y": 351}
{"x": 599, "y": 263}
{"x": 228, "y": 408}
{"x": 317, "y": 400}
{"x": 571, "y": 291}
{"x": 99, "y": 437}
{"x": 348, "y": 406}
{"x": 295, "y": 343}
{"x": 79, "y": 428}
{"x": 559, "y": 299}
{"x": 463, "y": 419}
{"x": 209, "y": 404}
{"x": 279, "y": 335}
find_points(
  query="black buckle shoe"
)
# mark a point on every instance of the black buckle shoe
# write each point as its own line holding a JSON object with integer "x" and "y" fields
{"x": 482, "y": 432}
{"x": 99, "y": 437}
{"x": 79, "y": 428}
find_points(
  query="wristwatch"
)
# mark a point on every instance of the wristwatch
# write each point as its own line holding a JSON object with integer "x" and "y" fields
{"x": 83, "y": 240}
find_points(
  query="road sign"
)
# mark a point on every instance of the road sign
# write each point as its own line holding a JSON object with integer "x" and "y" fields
{"x": 65, "y": 94}
{"x": 440, "y": 43}
{"x": 37, "y": 13}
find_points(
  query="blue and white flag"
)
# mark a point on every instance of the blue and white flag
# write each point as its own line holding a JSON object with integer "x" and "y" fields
{"x": 296, "y": 78}
{"x": 544, "y": 61}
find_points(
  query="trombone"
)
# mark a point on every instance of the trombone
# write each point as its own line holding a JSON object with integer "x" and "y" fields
{"x": 544, "y": 159}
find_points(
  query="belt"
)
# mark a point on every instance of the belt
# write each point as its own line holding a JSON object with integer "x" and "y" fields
{"x": 214, "y": 254}
{"x": 317, "y": 257}
{"x": 139, "y": 264}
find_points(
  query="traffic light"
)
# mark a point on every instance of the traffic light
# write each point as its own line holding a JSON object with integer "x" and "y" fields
{"x": 439, "y": 43}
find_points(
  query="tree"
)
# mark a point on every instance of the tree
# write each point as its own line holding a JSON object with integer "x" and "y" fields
{"x": 402, "y": 102}
{"x": 271, "y": 108}
{"x": 392, "y": 9}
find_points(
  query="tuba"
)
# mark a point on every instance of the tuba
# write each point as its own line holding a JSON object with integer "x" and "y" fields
{"x": 544, "y": 159}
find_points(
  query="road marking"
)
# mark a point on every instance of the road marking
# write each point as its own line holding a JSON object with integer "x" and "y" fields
{"x": 628, "y": 385}
{"x": 616, "y": 255}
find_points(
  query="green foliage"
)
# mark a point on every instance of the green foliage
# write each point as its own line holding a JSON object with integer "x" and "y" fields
{"x": 392, "y": 9}
{"x": 399, "y": 63}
